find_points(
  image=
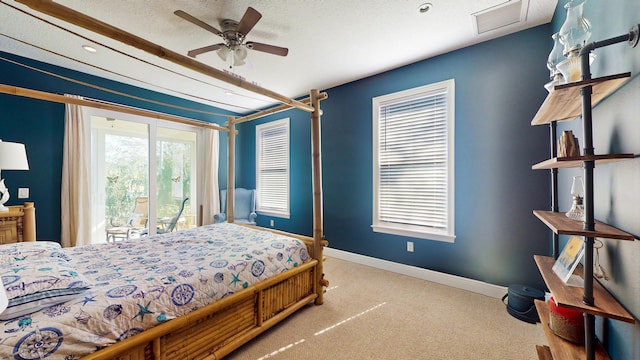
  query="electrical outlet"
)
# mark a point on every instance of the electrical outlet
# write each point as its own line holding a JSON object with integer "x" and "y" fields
{"x": 271, "y": 222}
{"x": 410, "y": 246}
{"x": 23, "y": 193}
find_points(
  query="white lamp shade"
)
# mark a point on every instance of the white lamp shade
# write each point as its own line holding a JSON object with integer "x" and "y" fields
{"x": 239, "y": 54}
{"x": 237, "y": 61}
{"x": 223, "y": 53}
{"x": 13, "y": 156}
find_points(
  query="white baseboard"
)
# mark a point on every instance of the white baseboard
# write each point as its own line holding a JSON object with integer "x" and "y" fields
{"x": 420, "y": 273}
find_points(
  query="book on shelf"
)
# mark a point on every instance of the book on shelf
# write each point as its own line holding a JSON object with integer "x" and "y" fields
{"x": 569, "y": 259}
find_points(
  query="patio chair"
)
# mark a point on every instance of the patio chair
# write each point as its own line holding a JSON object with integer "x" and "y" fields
{"x": 171, "y": 225}
{"x": 136, "y": 224}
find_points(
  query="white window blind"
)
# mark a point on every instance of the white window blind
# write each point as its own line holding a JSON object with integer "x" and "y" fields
{"x": 413, "y": 162}
{"x": 272, "y": 154}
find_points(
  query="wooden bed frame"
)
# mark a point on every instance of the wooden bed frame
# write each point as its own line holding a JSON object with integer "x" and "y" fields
{"x": 217, "y": 329}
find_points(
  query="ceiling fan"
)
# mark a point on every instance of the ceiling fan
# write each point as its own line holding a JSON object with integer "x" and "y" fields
{"x": 233, "y": 35}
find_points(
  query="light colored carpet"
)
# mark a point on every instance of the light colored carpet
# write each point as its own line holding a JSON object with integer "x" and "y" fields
{"x": 370, "y": 313}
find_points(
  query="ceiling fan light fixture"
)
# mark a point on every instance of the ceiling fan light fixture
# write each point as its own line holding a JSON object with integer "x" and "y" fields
{"x": 240, "y": 52}
{"x": 223, "y": 53}
{"x": 237, "y": 61}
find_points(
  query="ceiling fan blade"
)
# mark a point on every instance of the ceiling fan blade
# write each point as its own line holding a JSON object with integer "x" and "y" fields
{"x": 248, "y": 21}
{"x": 195, "y": 52}
{"x": 198, "y": 22}
{"x": 271, "y": 49}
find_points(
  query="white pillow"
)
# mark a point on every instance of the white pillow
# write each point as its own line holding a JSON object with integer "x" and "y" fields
{"x": 4, "y": 302}
{"x": 40, "y": 283}
{"x": 26, "y": 245}
{"x": 31, "y": 249}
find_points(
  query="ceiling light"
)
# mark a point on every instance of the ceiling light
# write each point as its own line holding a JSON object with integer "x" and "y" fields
{"x": 223, "y": 53}
{"x": 239, "y": 54}
{"x": 89, "y": 48}
{"x": 425, "y": 7}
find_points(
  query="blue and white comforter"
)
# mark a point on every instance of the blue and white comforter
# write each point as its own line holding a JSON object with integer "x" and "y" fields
{"x": 140, "y": 283}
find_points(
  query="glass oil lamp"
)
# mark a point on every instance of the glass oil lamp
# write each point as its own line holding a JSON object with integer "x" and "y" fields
{"x": 577, "y": 192}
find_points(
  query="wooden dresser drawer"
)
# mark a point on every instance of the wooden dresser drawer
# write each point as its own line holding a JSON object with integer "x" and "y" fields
{"x": 9, "y": 231}
{"x": 12, "y": 224}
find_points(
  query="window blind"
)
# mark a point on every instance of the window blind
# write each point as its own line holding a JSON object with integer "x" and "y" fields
{"x": 273, "y": 167}
{"x": 413, "y": 160}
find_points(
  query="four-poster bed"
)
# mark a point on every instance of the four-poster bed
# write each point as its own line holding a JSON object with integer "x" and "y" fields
{"x": 214, "y": 330}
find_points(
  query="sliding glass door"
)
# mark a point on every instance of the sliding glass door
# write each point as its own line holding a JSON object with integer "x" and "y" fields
{"x": 120, "y": 176}
{"x": 143, "y": 176}
{"x": 175, "y": 178}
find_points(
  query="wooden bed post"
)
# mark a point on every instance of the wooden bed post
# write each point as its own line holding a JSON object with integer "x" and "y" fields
{"x": 29, "y": 222}
{"x": 318, "y": 229}
{"x": 231, "y": 169}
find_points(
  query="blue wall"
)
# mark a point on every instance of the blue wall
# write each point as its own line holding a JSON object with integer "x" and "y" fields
{"x": 616, "y": 129}
{"x": 301, "y": 219}
{"x": 40, "y": 126}
{"x": 499, "y": 87}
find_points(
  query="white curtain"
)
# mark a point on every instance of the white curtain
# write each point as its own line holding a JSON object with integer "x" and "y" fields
{"x": 75, "y": 195}
{"x": 211, "y": 200}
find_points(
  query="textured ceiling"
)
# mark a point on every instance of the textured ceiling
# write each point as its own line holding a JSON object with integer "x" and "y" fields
{"x": 331, "y": 42}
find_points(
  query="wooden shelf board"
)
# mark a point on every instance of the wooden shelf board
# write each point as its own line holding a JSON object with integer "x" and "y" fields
{"x": 544, "y": 352}
{"x": 565, "y": 103}
{"x": 571, "y": 297}
{"x": 561, "y": 348}
{"x": 576, "y": 161}
{"x": 562, "y": 225}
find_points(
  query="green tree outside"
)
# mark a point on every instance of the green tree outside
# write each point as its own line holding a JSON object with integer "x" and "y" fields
{"x": 127, "y": 169}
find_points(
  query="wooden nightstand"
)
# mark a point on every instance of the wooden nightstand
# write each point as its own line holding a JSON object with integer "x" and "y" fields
{"x": 18, "y": 224}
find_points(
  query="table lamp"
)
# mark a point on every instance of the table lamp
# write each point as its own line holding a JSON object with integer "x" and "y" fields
{"x": 13, "y": 156}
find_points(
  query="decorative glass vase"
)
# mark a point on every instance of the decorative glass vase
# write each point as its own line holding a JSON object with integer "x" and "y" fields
{"x": 555, "y": 57}
{"x": 577, "y": 192}
{"x": 576, "y": 29}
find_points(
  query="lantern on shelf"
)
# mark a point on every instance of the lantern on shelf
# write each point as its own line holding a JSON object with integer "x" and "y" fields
{"x": 556, "y": 56}
{"x": 573, "y": 35}
{"x": 576, "y": 29}
{"x": 577, "y": 192}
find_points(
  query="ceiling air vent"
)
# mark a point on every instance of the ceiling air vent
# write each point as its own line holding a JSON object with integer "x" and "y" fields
{"x": 499, "y": 16}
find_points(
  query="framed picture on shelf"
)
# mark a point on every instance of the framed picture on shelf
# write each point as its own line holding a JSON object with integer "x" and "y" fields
{"x": 569, "y": 259}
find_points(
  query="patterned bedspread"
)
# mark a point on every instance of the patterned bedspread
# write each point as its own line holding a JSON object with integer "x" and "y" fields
{"x": 137, "y": 284}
